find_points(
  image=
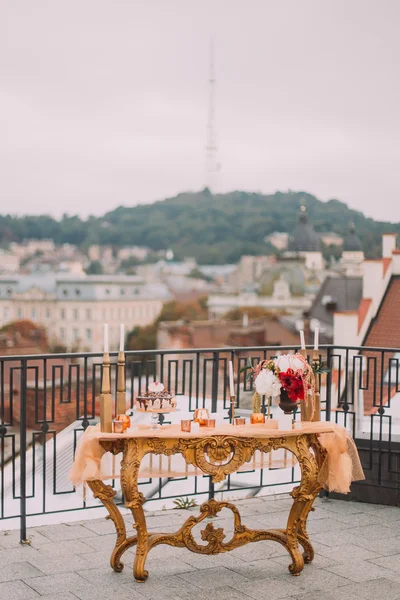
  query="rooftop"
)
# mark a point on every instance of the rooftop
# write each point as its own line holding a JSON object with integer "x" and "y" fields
{"x": 357, "y": 557}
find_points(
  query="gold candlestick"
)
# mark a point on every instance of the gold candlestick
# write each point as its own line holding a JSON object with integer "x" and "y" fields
{"x": 105, "y": 397}
{"x": 121, "y": 390}
{"x": 233, "y": 400}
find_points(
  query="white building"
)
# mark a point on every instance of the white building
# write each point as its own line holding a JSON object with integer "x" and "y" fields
{"x": 73, "y": 309}
{"x": 9, "y": 262}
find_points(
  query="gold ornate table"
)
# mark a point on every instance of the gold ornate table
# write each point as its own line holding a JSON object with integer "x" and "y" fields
{"x": 218, "y": 456}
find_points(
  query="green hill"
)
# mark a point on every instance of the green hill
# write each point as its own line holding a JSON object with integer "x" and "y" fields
{"x": 212, "y": 228}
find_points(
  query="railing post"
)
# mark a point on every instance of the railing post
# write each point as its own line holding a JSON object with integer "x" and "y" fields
{"x": 328, "y": 384}
{"x": 214, "y": 404}
{"x": 22, "y": 452}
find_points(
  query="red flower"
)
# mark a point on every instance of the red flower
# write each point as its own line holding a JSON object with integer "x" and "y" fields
{"x": 293, "y": 384}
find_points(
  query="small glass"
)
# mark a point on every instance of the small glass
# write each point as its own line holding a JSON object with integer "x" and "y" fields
{"x": 118, "y": 426}
{"x": 240, "y": 421}
{"x": 186, "y": 425}
{"x": 125, "y": 420}
{"x": 257, "y": 418}
{"x": 200, "y": 416}
{"x": 210, "y": 423}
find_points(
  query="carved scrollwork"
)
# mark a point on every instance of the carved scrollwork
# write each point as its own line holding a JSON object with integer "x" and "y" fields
{"x": 217, "y": 456}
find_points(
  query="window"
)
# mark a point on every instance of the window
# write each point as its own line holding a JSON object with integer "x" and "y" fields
{"x": 6, "y": 312}
{"x": 108, "y": 291}
{"x": 48, "y": 314}
{"x": 62, "y": 313}
{"x": 75, "y": 334}
{"x": 88, "y": 314}
{"x": 76, "y": 314}
{"x": 9, "y": 291}
{"x": 33, "y": 313}
{"x": 19, "y": 313}
{"x": 62, "y": 333}
{"x": 78, "y": 292}
{"x": 88, "y": 334}
{"x": 122, "y": 292}
{"x": 65, "y": 292}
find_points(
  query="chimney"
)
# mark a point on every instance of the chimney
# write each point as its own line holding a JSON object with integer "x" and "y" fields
{"x": 372, "y": 278}
{"x": 388, "y": 244}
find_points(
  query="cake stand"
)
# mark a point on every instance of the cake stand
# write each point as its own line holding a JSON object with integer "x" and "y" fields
{"x": 157, "y": 415}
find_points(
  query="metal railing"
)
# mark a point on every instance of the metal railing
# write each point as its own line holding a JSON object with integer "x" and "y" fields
{"x": 47, "y": 401}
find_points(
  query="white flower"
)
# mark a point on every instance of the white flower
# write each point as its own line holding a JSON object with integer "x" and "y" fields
{"x": 267, "y": 383}
{"x": 297, "y": 364}
{"x": 283, "y": 362}
{"x": 156, "y": 387}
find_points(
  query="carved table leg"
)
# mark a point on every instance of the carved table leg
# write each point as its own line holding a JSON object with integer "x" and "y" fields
{"x": 106, "y": 494}
{"x": 134, "y": 500}
{"x": 304, "y": 496}
{"x": 308, "y": 554}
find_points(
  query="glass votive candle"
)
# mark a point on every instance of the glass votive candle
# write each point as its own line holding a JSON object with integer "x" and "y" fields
{"x": 240, "y": 421}
{"x": 118, "y": 426}
{"x": 257, "y": 418}
{"x": 209, "y": 423}
{"x": 186, "y": 425}
{"x": 125, "y": 420}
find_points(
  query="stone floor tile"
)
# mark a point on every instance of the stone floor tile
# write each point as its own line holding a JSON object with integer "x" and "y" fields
{"x": 222, "y": 593}
{"x": 327, "y": 524}
{"x": 65, "y": 596}
{"x": 94, "y": 592}
{"x": 11, "y": 539}
{"x": 161, "y": 588}
{"x": 335, "y": 538}
{"x": 18, "y": 570}
{"x": 388, "y": 513}
{"x": 346, "y": 553}
{"x": 311, "y": 580}
{"x": 53, "y": 584}
{"x": 384, "y": 547}
{"x": 342, "y": 506}
{"x": 276, "y": 520}
{"x": 53, "y": 566}
{"x": 202, "y": 561}
{"x": 101, "y": 542}
{"x": 17, "y": 554}
{"x": 106, "y": 577}
{"x": 319, "y": 562}
{"x": 259, "y": 551}
{"x": 16, "y": 590}
{"x": 64, "y": 532}
{"x": 388, "y": 562}
{"x": 214, "y": 578}
{"x": 101, "y": 527}
{"x": 262, "y": 569}
{"x": 359, "y": 571}
{"x": 271, "y": 588}
{"x": 171, "y": 566}
{"x": 63, "y": 549}
{"x": 373, "y": 532}
{"x": 358, "y": 519}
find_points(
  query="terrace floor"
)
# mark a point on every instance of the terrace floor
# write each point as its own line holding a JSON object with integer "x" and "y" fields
{"x": 357, "y": 557}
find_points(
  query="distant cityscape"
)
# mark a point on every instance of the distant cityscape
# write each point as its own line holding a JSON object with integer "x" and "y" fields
{"x": 70, "y": 292}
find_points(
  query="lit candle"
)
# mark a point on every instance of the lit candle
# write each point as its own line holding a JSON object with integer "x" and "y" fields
{"x": 231, "y": 382}
{"x": 302, "y": 340}
{"x": 316, "y": 338}
{"x": 106, "y": 338}
{"x": 121, "y": 337}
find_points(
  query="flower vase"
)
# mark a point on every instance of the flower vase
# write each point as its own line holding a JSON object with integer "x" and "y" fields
{"x": 286, "y": 404}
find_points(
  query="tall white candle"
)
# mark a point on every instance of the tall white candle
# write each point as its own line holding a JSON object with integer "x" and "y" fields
{"x": 121, "y": 337}
{"x": 106, "y": 349}
{"x": 316, "y": 338}
{"x": 302, "y": 340}
{"x": 231, "y": 381}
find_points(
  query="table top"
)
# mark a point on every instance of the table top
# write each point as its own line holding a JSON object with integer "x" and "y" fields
{"x": 246, "y": 431}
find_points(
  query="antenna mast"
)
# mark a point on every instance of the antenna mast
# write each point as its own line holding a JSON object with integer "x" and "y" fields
{"x": 211, "y": 148}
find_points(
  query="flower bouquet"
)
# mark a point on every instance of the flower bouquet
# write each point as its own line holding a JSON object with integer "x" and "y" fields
{"x": 288, "y": 376}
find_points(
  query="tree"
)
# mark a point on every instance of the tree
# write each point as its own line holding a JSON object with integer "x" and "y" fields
{"x": 95, "y": 268}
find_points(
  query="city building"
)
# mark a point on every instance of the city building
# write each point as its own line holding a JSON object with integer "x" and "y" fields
{"x": 351, "y": 262}
{"x": 73, "y": 309}
{"x": 9, "y": 262}
{"x": 305, "y": 244}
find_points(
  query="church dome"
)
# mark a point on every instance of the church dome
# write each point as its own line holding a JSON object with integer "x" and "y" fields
{"x": 352, "y": 242}
{"x": 304, "y": 238}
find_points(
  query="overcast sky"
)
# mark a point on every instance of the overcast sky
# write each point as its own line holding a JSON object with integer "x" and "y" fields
{"x": 104, "y": 102}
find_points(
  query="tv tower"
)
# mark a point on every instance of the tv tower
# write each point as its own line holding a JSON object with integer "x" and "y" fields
{"x": 212, "y": 167}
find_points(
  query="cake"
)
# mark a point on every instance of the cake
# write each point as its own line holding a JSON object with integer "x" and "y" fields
{"x": 156, "y": 398}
